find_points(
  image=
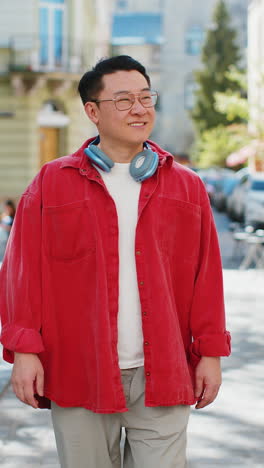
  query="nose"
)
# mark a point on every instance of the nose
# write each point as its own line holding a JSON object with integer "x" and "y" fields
{"x": 137, "y": 107}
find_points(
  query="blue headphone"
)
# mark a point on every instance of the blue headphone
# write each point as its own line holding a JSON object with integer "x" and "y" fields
{"x": 142, "y": 166}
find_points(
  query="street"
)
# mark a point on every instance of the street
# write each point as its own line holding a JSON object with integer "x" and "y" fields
{"x": 228, "y": 433}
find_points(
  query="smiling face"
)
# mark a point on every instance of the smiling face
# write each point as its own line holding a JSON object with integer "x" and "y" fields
{"x": 125, "y": 128}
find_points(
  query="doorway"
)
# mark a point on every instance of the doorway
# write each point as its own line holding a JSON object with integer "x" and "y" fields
{"x": 48, "y": 144}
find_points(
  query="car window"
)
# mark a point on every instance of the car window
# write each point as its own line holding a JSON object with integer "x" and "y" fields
{"x": 257, "y": 185}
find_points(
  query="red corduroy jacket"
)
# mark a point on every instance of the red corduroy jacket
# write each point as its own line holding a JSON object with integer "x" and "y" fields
{"x": 59, "y": 284}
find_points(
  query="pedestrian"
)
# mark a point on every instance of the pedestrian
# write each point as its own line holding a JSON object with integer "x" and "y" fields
{"x": 111, "y": 289}
{"x": 6, "y": 221}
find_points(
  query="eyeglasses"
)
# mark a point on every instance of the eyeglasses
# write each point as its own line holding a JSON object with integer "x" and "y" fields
{"x": 125, "y": 101}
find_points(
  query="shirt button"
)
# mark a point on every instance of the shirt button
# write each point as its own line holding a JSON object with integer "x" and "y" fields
{"x": 147, "y": 374}
{"x": 145, "y": 313}
{"x": 146, "y": 343}
{"x": 141, "y": 283}
{"x": 138, "y": 252}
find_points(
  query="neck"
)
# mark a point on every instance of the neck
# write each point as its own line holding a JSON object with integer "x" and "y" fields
{"x": 119, "y": 153}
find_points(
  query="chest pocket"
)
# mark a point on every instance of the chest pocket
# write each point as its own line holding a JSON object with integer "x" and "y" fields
{"x": 179, "y": 226}
{"x": 68, "y": 231}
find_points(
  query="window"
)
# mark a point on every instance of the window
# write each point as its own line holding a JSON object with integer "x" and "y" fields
{"x": 52, "y": 1}
{"x": 257, "y": 185}
{"x": 189, "y": 93}
{"x": 51, "y": 29}
{"x": 194, "y": 40}
{"x": 122, "y": 3}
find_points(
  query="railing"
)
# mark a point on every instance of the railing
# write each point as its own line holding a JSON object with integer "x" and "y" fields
{"x": 49, "y": 53}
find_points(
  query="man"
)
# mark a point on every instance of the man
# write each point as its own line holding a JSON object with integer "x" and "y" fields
{"x": 111, "y": 289}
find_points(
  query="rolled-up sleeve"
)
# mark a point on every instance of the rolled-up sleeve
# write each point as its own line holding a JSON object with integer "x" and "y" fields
{"x": 208, "y": 328}
{"x": 20, "y": 279}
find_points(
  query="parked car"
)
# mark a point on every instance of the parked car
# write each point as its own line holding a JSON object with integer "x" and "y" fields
{"x": 223, "y": 189}
{"x": 254, "y": 209}
{"x": 244, "y": 203}
{"x": 210, "y": 178}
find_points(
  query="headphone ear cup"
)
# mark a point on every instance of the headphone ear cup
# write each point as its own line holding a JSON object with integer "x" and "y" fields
{"x": 144, "y": 165}
{"x": 99, "y": 158}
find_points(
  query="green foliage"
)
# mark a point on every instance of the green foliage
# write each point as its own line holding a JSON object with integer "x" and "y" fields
{"x": 234, "y": 104}
{"x": 219, "y": 53}
{"x": 238, "y": 76}
{"x": 214, "y": 145}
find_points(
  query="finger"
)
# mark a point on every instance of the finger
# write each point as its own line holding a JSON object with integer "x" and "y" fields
{"x": 18, "y": 391}
{"x": 210, "y": 393}
{"x": 17, "y": 387}
{"x": 40, "y": 383}
{"x": 199, "y": 387}
{"x": 29, "y": 395}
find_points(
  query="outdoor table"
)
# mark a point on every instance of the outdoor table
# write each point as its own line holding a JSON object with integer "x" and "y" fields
{"x": 239, "y": 237}
{"x": 255, "y": 252}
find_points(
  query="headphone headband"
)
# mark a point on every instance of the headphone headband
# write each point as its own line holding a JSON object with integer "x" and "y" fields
{"x": 142, "y": 166}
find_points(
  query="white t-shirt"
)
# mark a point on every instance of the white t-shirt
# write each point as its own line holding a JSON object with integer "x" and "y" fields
{"x": 125, "y": 192}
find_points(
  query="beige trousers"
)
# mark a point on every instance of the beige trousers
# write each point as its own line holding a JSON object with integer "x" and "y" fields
{"x": 155, "y": 437}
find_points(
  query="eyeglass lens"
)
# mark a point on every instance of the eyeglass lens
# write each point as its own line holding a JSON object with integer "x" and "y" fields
{"x": 126, "y": 101}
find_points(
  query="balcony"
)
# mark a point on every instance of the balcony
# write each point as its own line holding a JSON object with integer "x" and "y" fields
{"x": 46, "y": 54}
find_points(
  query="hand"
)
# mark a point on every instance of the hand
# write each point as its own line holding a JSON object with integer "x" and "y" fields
{"x": 207, "y": 380}
{"x": 27, "y": 378}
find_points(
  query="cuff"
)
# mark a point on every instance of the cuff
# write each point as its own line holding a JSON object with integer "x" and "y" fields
{"x": 216, "y": 344}
{"x": 21, "y": 340}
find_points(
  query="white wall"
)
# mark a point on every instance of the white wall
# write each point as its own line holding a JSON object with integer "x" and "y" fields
{"x": 18, "y": 17}
{"x": 176, "y": 131}
{"x": 256, "y": 64}
{"x": 104, "y": 12}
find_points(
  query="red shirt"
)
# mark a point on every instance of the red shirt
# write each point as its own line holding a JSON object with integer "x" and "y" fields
{"x": 59, "y": 283}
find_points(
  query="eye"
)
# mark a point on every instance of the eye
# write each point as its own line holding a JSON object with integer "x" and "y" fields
{"x": 124, "y": 99}
{"x": 146, "y": 97}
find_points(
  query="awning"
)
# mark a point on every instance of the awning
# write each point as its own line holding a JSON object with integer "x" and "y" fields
{"x": 48, "y": 117}
{"x": 249, "y": 151}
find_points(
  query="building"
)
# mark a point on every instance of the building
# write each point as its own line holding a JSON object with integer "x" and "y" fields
{"x": 185, "y": 25}
{"x": 137, "y": 30}
{"x": 256, "y": 83}
{"x": 45, "y": 46}
{"x": 256, "y": 65}
{"x": 177, "y": 54}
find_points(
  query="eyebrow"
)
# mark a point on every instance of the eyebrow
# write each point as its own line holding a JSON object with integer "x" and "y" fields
{"x": 128, "y": 92}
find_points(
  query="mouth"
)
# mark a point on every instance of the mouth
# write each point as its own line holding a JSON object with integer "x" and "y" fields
{"x": 137, "y": 124}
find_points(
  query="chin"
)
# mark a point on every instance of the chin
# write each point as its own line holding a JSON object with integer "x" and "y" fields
{"x": 139, "y": 139}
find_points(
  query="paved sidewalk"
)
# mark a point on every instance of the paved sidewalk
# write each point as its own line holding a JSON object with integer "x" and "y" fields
{"x": 229, "y": 433}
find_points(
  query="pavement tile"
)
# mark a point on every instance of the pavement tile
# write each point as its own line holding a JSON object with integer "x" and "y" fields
{"x": 230, "y": 432}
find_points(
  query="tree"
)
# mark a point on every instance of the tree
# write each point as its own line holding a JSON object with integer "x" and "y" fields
{"x": 220, "y": 51}
{"x": 234, "y": 104}
{"x": 215, "y": 144}
{"x": 212, "y": 146}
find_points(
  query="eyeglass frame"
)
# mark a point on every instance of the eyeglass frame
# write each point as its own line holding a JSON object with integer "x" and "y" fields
{"x": 152, "y": 93}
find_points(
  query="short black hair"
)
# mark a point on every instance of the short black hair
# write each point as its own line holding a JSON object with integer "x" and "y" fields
{"x": 10, "y": 204}
{"x": 91, "y": 82}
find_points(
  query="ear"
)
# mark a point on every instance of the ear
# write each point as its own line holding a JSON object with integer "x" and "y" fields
{"x": 92, "y": 111}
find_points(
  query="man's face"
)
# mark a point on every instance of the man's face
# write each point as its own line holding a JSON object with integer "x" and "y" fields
{"x": 123, "y": 127}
